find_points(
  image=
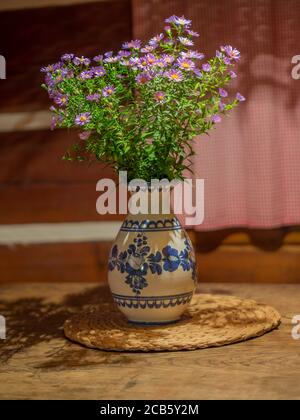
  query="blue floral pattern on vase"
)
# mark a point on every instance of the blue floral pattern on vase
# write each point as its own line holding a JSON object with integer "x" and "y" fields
{"x": 137, "y": 260}
{"x": 154, "y": 263}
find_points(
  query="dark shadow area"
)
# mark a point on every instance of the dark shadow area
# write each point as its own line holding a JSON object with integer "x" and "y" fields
{"x": 32, "y": 321}
{"x": 265, "y": 239}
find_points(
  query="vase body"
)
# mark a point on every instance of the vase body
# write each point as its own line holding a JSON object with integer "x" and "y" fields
{"x": 152, "y": 269}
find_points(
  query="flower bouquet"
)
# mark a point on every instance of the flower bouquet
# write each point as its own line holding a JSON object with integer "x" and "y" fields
{"x": 139, "y": 110}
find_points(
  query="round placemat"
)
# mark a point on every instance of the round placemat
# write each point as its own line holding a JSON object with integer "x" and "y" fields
{"x": 210, "y": 321}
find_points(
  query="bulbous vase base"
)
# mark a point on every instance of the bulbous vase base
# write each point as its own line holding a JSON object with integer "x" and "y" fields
{"x": 152, "y": 269}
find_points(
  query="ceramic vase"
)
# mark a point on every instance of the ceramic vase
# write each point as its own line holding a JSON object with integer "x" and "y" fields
{"x": 152, "y": 269}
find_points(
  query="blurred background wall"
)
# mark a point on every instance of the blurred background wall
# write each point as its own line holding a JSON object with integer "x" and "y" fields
{"x": 49, "y": 228}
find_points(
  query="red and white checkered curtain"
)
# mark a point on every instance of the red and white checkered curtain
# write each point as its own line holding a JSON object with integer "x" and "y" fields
{"x": 251, "y": 161}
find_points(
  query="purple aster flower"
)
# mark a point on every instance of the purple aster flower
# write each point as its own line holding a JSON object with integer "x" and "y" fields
{"x": 108, "y": 90}
{"x": 169, "y": 42}
{"x": 84, "y": 135}
{"x": 240, "y": 97}
{"x": 55, "y": 121}
{"x": 111, "y": 59}
{"x": 108, "y": 54}
{"x": 93, "y": 97}
{"x": 198, "y": 73}
{"x": 232, "y": 74}
{"x": 123, "y": 54}
{"x": 67, "y": 57}
{"x": 67, "y": 73}
{"x": 134, "y": 62}
{"x": 52, "y": 93}
{"x": 142, "y": 63}
{"x": 222, "y": 106}
{"x": 192, "y": 33}
{"x": 219, "y": 54}
{"x": 135, "y": 44}
{"x": 182, "y": 21}
{"x": 206, "y": 67}
{"x": 85, "y": 75}
{"x": 185, "y": 64}
{"x": 98, "y": 58}
{"x": 51, "y": 68}
{"x": 156, "y": 39}
{"x": 147, "y": 60}
{"x": 192, "y": 54}
{"x": 151, "y": 59}
{"x": 161, "y": 63}
{"x": 227, "y": 61}
{"x": 175, "y": 75}
{"x": 167, "y": 28}
{"x": 98, "y": 71}
{"x": 148, "y": 48}
{"x": 49, "y": 80}
{"x": 171, "y": 19}
{"x": 61, "y": 99}
{"x": 126, "y": 45}
{"x": 232, "y": 52}
{"x": 125, "y": 62}
{"x": 216, "y": 118}
{"x": 159, "y": 96}
{"x": 185, "y": 41}
{"x": 223, "y": 93}
{"x": 81, "y": 61}
{"x": 168, "y": 58}
{"x": 83, "y": 118}
{"x": 143, "y": 78}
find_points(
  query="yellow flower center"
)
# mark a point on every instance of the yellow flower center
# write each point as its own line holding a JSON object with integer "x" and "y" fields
{"x": 174, "y": 76}
{"x": 186, "y": 65}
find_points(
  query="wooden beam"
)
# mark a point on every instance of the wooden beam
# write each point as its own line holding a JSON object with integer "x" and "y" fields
{"x": 79, "y": 262}
{"x": 37, "y": 4}
{"x": 24, "y": 121}
{"x": 45, "y": 233}
{"x": 87, "y": 261}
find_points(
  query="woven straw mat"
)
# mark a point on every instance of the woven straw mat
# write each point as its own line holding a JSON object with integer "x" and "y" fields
{"x": 210, "y": 321}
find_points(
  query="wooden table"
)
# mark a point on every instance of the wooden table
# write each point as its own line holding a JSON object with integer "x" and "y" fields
{"x": 37, "y": 362}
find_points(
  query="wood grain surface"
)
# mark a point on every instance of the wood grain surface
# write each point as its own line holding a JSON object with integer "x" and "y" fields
{"x": 38, "y": 362}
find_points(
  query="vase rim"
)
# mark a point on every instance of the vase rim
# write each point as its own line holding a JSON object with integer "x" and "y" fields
{"x": 149, "y": 187}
